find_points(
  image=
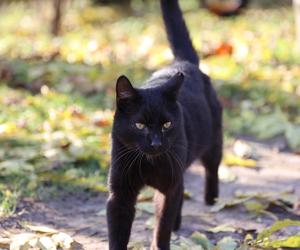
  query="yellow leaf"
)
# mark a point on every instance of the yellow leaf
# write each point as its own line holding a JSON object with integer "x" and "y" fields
{"x": 232, "y": 160}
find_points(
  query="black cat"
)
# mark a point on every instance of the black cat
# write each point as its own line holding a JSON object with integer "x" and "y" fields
{"x": 158, "y": 131}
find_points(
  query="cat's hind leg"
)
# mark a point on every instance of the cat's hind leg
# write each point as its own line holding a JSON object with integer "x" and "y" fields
{"x": 211, "y": 161}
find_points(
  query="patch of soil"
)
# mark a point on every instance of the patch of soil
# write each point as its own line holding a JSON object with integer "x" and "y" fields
{"x": 80, "y": 215}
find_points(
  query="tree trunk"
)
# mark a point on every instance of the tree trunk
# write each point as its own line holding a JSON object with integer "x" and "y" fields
{"x": 57, "y": 16}
{"x": 297, "y": 18}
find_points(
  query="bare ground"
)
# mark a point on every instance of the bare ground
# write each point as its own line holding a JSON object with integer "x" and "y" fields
{"x": 79, "y": 216}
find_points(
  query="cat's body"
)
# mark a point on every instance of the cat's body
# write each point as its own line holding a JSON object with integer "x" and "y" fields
{"x": 158, "y": 131}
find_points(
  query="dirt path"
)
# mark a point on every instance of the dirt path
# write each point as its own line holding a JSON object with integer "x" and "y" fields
{"x": 81, "y": 217}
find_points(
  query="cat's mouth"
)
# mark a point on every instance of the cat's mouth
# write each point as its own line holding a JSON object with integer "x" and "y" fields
{"x": 155, "y": 153}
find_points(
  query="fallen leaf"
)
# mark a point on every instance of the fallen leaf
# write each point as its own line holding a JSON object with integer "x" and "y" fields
{"x": 146, "y": 207}
{"x": 62, "y": 240}
{"x": 42, "y": 229}
{"x": 226, "y": 175}
{"x": 264, "y": 237}
{"x": 21, "y": 241}
{"x": 226, "y": 203}
{"x": 46, "y": 243}
{"x": 232, "y": 160}
{"x": 146, "y": 194}
{"x": 255, "y": 206}
{"x": 278, "y": 225}
{"x": 244, "y": 246}
{"x": 175, "y": 247}
{"x": 227, "y": 243}
{"x": 259, "y": 207}
{"x": 202, "y": 240}
{"x": 102, "y": 212}
{"x": 5, "y": 243}
{"x": 136, "y": 246}
{"x": 187, "y": 194}
{"x": 284, "y": 199}
{"x": 188, "y": 244}
{"x": 224, "y": 48}
{"x": 289, "y": 242}
{"x": 222, "y": 228}
{"x": 242, "y": 149}
{"x": 150, "y": 223}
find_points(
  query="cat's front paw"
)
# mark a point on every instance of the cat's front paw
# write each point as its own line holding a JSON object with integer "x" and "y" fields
{"x": 210, "y": 199}
{"x": 177, "y": 223}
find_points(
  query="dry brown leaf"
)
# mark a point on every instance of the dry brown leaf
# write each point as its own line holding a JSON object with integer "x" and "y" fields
{"x": 5, "y": 243}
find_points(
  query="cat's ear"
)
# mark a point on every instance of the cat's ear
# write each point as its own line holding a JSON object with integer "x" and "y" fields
{"x": 172, "y": 87}
{"x": 124, "y": 89}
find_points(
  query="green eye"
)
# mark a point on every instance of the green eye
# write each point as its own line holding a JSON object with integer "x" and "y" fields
{"x": 167, "y": 125}
{"x": 140, "y": 126}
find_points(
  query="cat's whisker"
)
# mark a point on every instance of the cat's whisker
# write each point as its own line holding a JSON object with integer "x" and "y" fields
{"x": 122, "y": 153}
{"x": 125, "y": 169}
{"x": 172, "y": 170}
{"x": 121, "y": 157}
{"x": 180, "y": 161}
{"x": 126, "y": 154}
{"x": 127, "y": 174}
{"x": 139, "y": 168}
{"x": 124, "y": 173}
{"x": 132, "y": 156}
{"x": 180, "y": 164}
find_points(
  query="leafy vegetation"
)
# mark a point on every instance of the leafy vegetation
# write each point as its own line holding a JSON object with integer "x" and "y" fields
{"x": 51, "y": 137}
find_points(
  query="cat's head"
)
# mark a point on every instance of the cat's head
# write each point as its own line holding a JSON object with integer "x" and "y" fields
{"x": 148, "y": 119}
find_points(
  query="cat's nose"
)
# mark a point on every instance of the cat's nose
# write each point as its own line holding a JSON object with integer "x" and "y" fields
{"x": 156, "y": 142}
{"x": 156, "y": 145}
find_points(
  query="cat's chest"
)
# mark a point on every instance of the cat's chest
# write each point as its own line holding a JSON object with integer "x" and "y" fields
{"x": 161, "y": 172}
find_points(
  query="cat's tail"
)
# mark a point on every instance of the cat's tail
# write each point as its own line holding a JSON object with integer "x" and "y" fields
{"x": 178, "y": 34}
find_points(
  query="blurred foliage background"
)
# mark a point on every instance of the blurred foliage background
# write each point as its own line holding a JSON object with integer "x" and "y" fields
{"x": 57, "y": 82}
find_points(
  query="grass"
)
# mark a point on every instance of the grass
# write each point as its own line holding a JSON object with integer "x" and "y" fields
{"x": 57, "y": 94}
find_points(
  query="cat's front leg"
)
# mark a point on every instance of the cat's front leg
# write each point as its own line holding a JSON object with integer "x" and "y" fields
{"x": 120, "y": 215}
{"x": 167, "y": 206}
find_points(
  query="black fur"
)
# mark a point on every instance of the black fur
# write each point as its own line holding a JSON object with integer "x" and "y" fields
{"x": 177, "y": 32}
{"x": 157, "y": 156}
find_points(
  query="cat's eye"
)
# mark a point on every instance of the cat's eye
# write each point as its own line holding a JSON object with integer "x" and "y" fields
{"x": 140, "y": 125}
{"x": 167, "y": 125}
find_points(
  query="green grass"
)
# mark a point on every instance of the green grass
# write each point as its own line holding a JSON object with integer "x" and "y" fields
{"x": 57, "y": 94}
{"x": 51, "y": 138}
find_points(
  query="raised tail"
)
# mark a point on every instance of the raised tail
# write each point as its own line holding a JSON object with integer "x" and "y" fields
{"x": 177, "y": 32}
